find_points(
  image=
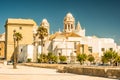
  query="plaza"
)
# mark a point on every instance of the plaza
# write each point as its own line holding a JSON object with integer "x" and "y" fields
{"x": 32, "y": 73}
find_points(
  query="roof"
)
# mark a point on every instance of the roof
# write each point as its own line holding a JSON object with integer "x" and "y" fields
{"x": 63, "y": 35}
{"x": 20, "y": 21}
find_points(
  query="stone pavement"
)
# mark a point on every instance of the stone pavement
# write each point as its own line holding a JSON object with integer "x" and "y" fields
{"x": 32, "y": 73}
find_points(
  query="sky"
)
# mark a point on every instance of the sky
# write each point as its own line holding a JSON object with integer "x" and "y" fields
{"x": 99, "y": 18}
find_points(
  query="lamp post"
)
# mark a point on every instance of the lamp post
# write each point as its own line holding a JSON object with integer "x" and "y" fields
{"x": 14, "y": 54}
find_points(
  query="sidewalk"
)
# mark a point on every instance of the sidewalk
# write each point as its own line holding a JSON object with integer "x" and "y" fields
{"x": 32, "y": 73}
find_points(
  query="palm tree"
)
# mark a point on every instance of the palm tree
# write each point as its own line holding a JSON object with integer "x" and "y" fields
{"x": 42, "y": 32}
{"x": 17, "y": 37}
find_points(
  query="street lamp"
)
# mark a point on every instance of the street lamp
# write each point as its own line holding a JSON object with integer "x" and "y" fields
{"x": 14, "y": 54}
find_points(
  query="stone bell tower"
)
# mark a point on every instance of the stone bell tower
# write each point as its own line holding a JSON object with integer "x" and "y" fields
{"x": 69, "y": 23}
{"x": 45, "y": 24}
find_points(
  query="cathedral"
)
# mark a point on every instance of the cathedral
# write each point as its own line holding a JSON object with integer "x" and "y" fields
{"x": 68, "y": 42}
{"x": 72, "y": 40}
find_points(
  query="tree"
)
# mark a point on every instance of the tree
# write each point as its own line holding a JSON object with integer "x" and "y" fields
{"x": 117, "y": 60}
{"x": 52, "y": 57}
{"x": 81, "y": 58}
{"x": 109, "y": 56}
{"x": 91, "y": 58}
{"x": 42, "y": 58}
{"x": 62, "y": 58}
{"x": 42, "y": 32}
{"x": 17, "y": 36}
{"x": 104, "y": 60}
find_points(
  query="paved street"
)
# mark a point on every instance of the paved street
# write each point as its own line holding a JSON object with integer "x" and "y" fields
{"x": 31, "y": 73}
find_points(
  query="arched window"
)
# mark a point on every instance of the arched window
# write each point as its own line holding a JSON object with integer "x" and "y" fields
{"x": 60, "y": 54}
{"x": 71, "y": 26}
{"x": 65, "y": 26}
{"x": 68, "y": 26}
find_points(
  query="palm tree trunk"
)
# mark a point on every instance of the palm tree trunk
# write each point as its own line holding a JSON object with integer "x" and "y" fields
{"x": 17, "y": 52}
{"x": 41, "y": 46}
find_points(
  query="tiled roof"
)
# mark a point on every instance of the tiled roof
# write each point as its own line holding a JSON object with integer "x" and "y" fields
{"x": 63, "y": 35}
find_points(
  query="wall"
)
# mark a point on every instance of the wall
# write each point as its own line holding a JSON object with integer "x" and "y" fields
{"x": 2, "y": 47}
{"x": 109, "y": 72}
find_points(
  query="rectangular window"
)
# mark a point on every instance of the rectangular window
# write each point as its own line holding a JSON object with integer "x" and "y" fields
{"x": 82, "y": 48}
{"x": 20, "y": 28}
{"x": 111, "y": 49}
{"x": 68, "y": 26}
{"x": 75, "y": 46}
{"x": 90, "y": 49}
{"x": 103, "y": 49}
{"x": 71, "y": 26}
{"x": 43, "y": 44}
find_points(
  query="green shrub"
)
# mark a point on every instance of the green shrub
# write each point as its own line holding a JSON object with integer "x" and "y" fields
{"x": 62, "y": 58}
{"x": 81, "y": 58}
{"x": 43, "y": 58}
{"x": 91, "y": 58}
{"x": 52, "y": 57}
{"x": 29, "y": 60}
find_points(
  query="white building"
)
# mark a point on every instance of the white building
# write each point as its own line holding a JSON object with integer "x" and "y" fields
{"x": 73, "y": 40}
{"x": 28, "y": 52}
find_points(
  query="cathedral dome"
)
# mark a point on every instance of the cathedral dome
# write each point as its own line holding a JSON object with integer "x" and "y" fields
{"x": 69, "y": 17}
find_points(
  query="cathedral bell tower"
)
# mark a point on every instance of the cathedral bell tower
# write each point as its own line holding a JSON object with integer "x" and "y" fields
{"x": 69, "y": 23}
{"x": 46, "y": 25}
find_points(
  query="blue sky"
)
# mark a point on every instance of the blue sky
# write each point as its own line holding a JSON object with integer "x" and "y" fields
{"x": 98, "y": 17}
